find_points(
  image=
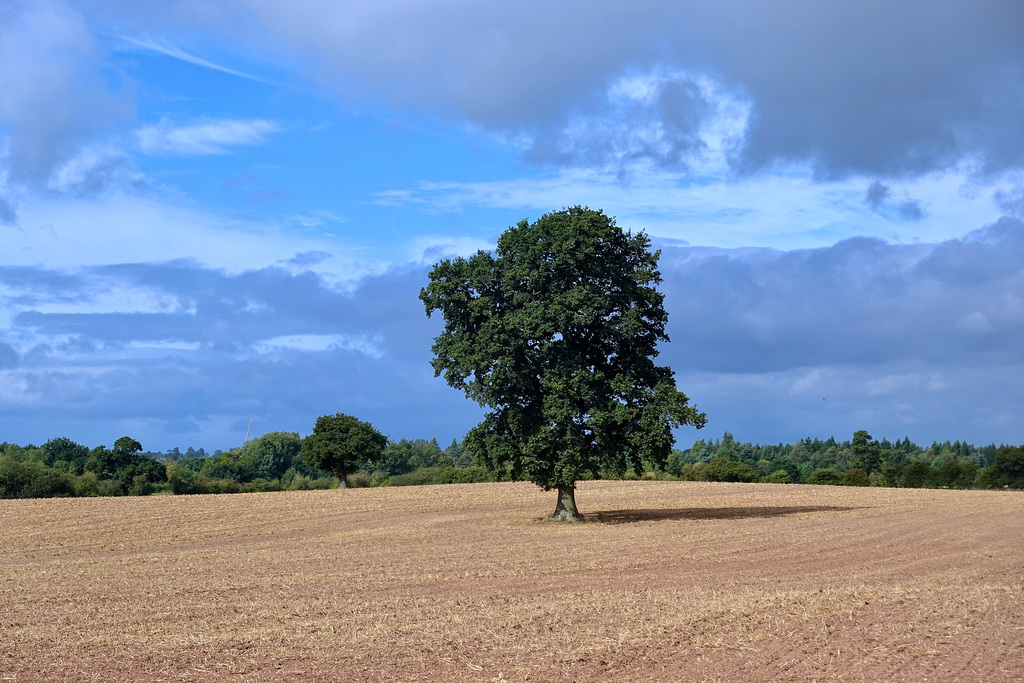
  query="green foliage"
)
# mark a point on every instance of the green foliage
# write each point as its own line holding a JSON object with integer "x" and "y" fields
{"x": 50, "y": 470}
{"x": 695, "y": 472}
{"x": 827, "y": 475}
{"x": 359, "y": 480}
{"x": 341, "y": 443}
{"x": 261, "y": 485}
{"x": 1007, "y": 469}
{"x": 123, "y": 464}
{"x": 268, "y": 457}
{"x": 865, "y": 453}
{"x": 778, "y": 477}
{"x": 856, "y": 477}
{"x": 28, "y": 479}
{"x": 87, "y": 484}
{"x": 182, "y": 480}
{"x": 427, "y": 475}
{"x": 892, "y": 475}
{"x": 303, "y": 483}
{"x": 64, "y": 450}
{"x": 916, "y": 474}
{"x": 405, "y": 456}
{"x": 140, "y": 486}
{"x": 955, "y": 474}
{"x": 442, "y": 475}
{"x": 723, "y": 469}
{"x": 675, "y": 462}
{"x": 459, "y": 454}
{"x": 556, "y": 332}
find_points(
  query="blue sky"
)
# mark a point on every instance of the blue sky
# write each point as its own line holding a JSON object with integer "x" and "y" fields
{"x": 222, "y": 211}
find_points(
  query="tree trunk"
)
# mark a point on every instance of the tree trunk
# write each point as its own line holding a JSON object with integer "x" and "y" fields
{"x": 342, "y": 482}
{"x": 565, "y": 509}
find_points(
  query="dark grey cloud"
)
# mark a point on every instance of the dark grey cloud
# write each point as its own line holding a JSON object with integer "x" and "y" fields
{"x": 859, "y": 301}
{"x": 309, "y": 258}
{"x": 877, "y": 194}
{"x": 911, "y": 210}
{"x": 8, "y": 212}
{"x": 1011, "y": 203}
{"x": 916, "y": 340}
{"x": 205, "y": 358}
{"x": 32, "y": 285}
{"x": 898, "y": 339}
{"x": 854, "y": 87}
{"x": 878, "y": 197}
{"x": 8, "y": 356}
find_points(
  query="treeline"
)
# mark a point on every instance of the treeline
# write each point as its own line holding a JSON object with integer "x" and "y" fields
{"x": 273, "y": 462}
{"x": 862, "y": 461}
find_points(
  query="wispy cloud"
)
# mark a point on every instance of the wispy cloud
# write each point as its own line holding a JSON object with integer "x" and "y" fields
{"x": 164, "y": 47}
{"x": 206, "y": 137}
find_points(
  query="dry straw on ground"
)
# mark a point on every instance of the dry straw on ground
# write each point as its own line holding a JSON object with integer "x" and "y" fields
{"x": 669, "y": 581}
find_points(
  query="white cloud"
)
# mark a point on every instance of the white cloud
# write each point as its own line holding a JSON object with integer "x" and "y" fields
{"x": 52, "y": 96}
{"x": 119, "y": 228}
{"x": 667, "y": 118}
{"x": 784, "y": 210}
{"x": 204, "y": 137}
{"x": 368, "y": 346}
{"x": 94, "y": 168}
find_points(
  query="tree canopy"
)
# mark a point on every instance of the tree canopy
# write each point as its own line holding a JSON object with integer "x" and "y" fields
{"x": 556, "y": 332}
{"x": 341, "y": 443}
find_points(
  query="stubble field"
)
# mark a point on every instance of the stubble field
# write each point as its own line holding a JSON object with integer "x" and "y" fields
{"x": 668, "y": 581}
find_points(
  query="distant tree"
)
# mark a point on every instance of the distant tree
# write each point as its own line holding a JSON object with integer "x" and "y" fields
{"x": 460, "y": 456}
{"x": 856, "y": 477}
{"x": 1007, "y": 469}
{"x": 892, "y": 475}
{"x": 405, "y": 455}
{"x": 124, "y": 453}
{"x": 778, "y": 477}
{"x": 341, "y": 443}
{"x": 826, "y": 475}
{"x": 99, "y": 462}
{"x": 916, "y": 474}
{"x": 723, "y": 469}
{"x": 123, "y": 463}
{"x": 63, "y": 449}
{"x": 675, "y": 462}
{"x": 269, "y": 456}
{"x": 865, "y": 453}
{"x": 28, "y": 479}
{"x": 556, "y": 333}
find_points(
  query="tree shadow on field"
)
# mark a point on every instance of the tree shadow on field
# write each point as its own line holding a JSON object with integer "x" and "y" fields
{"x": 629, "y": 516}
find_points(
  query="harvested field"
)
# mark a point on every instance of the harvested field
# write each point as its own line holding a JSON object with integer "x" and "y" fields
{"x": 670, "y": 581}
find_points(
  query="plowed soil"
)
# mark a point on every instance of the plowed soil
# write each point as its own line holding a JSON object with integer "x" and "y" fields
{"x": 668, "y": 581}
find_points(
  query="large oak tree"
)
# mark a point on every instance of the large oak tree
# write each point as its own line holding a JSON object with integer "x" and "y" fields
{"x": 556, "y": 332}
